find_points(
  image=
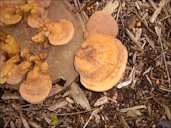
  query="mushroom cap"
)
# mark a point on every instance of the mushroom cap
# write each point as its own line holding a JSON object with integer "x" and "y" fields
{"x": 35, "y": 21}
{"x": 11, "y": 46}
{"x": 37, "y": 85}
{"x": 101, "y": 22}
{"x": 101, "y": 62}
{"x": 7, "y": 67}
{"x": 16, "y": 75}
{"x": 61, "y": 32}
{"x": 8, "y": 16}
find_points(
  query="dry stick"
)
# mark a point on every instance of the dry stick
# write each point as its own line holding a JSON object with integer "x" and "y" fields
{"x": 152, "y": 4}
{"x": 133, "y": 108}
{"x": 133, "y": 38}
{"x": 74, "y": 113}
{"x": 157, "y": 11}
{"x": 164, "y": 58}
{"x": 96, "y": 111}
{"x": 150, "y": 30}
{"x": 118, "y": 13}
{"x": 167, "y": 16}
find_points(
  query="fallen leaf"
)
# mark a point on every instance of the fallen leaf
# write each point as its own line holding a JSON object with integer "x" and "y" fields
{"x": 167, "y": 111}
{"x": 101, "y": 101}
{"x": 97, "y": 118}
{"x": 133, "y": 108}
{"x": 134, "y": 113}
{"x": 111, "y": 6}
{"x": 79, "y": 97}
{"x": 57, "y": 105}
{"x": 54, "y": 120}
{"x": 24, "y": 121}
{"x": 10, "y": 96}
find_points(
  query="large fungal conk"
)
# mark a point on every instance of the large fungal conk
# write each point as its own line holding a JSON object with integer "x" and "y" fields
{"x": 101, "y": 62}
{"x": 103, "y": 23}
{"x": 37, "y": 85}
{"x": 60, "y": 33}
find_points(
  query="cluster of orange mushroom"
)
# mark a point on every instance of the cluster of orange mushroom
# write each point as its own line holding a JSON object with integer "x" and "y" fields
{"x": 20, "y": 68}
{"x": 16, "y": 64}
{"x": 58, "y": 32}
{"x": 102, "y": 58}
{"x": 100, "y": 61}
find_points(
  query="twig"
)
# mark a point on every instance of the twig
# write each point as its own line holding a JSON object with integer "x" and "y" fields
{"x": 96, "y": 111}
{"x": 111, "y": 6}
{"x": 157, "y": 11}
{"x": 74, "y": 113}
{"x": 118, "y": 13}
{"x": 152, "y": 4}
{"x": 164, "y": 57}
{"x": 124, "y": 123}
{"x": 133, "y": 38}
{"x": 132, "y": 108}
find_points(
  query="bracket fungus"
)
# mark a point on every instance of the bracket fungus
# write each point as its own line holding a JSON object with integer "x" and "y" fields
{"x": 8, "y": 16}
{"x": 17, "y": 73}
{"x": 60, "y": 33}
{"x": 101, "y": 62}
{"x": 6, "y": 68}
{"x": 35, "y": 21}
{"x": 37, "y": 85}
{"x": 10, "y": 46}
{"x": 103, "y": 23}
{"x": 40, "y": 37}
{"x": 38, "y": 13}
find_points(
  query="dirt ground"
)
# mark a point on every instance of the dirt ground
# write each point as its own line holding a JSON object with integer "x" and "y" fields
{"x": 144, "y": 101}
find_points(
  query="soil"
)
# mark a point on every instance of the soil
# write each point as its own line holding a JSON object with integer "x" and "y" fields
{"x": 146, "y": 100}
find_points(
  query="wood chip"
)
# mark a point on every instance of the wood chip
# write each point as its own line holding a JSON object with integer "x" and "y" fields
{"x": 101, "y": 101}
{"x": 138, "y": 34}
{"x": 34, "y": 124}
{"x": 57, "y": 105}
{"x": 124, "y": 123}
{"x": 97, "y": 118}
{"x": 56, "y": 89}
{"x": 167, "y": 111}
{"x": 10, "y": 96}
{"x": 133, "y": 38}
{"x": 137, "y": 5}
{"x": 111, "y": 6}
{"x": 24, "y": 121}
{"x": 132, "y": 108}
{"x": 95, "y": 112}
{"x": 12, "y": 125}
{"x": 47, "y": 120}
{"x": 69, "y": 100}
{"x": 129, "y": 81}
{"x": 151, "y": 43}
{"x": 134, "y": 113}
{"x": 79, "y": 97}
{"x": 157, "y": 11}
{"x": 147, "y": 71}
{"x": 152, "y": 4}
